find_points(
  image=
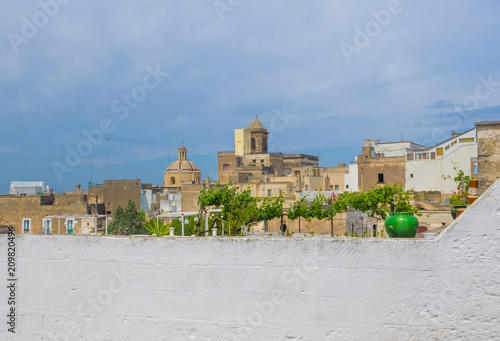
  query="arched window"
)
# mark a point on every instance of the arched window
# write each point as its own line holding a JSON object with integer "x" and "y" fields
{"x": 252, "y": 144}
{"x": 172, "y": 180}
{"x": 264, "y": 145}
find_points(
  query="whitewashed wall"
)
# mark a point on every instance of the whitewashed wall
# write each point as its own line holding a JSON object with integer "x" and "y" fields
{"x": 104, "y": 288}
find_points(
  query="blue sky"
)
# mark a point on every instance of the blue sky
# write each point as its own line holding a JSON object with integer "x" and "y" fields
{"x": 325, "y": 75}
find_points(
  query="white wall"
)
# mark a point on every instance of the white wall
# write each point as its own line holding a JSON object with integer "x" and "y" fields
{"x": 277, "y": 288}
{"x": 351, "y": 178}
{"x": 428, "y": 174}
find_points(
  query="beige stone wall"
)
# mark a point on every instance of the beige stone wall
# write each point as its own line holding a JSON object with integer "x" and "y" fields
{"x": 277, "y": 163}
{"x": 118, "y": 192}
{"x": 488, "y": 153}
{"x": 393, "y": 169}
{"x": 226, "y": 158}
{"x": 337, "y": 177}
{"x": 314, "y": 183}
{"x": 92, "y": 192}
{"x": 189, "y": 197}
{"x": 14, "y": 208}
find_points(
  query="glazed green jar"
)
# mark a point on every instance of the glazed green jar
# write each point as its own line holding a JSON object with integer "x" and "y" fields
{"x": 454, "y": 210}
{"x": 401, "y": 225}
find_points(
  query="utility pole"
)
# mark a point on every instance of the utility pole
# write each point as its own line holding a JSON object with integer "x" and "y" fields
{"x": 331, "y": 215}
{"x": 107, "y": 158}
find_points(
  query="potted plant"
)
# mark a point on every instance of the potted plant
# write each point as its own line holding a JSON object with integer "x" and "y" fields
{"x": 457, "y": 202}
{"x": 390, "y": 203}
{"x": 401, "y": 222}
{"x": 459, "y": 197}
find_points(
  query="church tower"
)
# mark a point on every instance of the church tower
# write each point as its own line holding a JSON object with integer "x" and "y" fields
{"x": 258, "y": 137}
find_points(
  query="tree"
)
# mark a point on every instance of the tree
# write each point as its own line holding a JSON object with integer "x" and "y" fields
{"x": 127, "y": 222}
{"x": 239, "y": 207}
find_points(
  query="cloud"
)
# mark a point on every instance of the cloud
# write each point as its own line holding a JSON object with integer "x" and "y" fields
{"x": 263, "y": 56}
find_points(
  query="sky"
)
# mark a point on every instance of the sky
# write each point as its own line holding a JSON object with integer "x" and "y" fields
{"x": 87, "y": 84}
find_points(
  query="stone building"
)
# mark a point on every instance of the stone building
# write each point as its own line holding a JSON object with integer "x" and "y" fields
{"x": 415, "y": 166}
{"x": 251, "y": 160}
{"x": 27, "y": 213}
{"x": 181, "y": 170}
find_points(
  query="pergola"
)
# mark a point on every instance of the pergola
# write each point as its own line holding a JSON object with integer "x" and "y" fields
{"x": 79, "y": 216}
{"x": 187, "y": 214}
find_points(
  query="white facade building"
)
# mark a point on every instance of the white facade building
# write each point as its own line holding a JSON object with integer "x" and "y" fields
{"x": 351, "y": 178}
{"x": 426, "y": 168}
{"x": 28, "y": 188}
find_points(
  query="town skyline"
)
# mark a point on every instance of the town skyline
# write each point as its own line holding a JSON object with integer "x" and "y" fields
{"x": 328, "y": 76}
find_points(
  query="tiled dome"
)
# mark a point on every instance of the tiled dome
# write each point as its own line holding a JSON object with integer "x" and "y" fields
{"x": 182, "y": 165}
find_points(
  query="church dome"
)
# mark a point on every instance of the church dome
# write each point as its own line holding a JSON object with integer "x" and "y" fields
{"x": 182, "y": 163}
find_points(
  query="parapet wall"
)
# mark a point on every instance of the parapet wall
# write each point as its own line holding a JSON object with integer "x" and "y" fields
{"x": 278, "y": 288}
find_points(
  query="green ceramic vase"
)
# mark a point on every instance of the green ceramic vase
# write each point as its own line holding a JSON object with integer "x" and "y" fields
{"x": 454, "y": 210}
{"x": 401, "y": 225}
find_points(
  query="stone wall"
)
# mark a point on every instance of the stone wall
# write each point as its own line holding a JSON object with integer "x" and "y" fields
{"x": 488, "y": 153}
{"x": 119, "y": 192}
{"x": 13, "y": 209}
{"x": 393, "y": 169}
{"x": 276, "y": 288}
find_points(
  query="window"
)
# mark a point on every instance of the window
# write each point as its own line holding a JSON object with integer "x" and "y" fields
{"x": 262, "y": 161}
{"x": 380, "y": 178}
{"x": 264, "y": 145}
{"x": 409, "y": 157}
{"x": 307, "y": 188}
{"x": 269, "y": 192}
{"x": 336, "y": 187}
{"x": 439, "y": 151}
{"x": 69, "y": 226}
{"x": 254, "y": 161}
{"x": 172, "y": 181}
{"x": 411, "y": 175}
{"x": 454, "y": 143}
{"x": 433, "y": 155}
{"x": 331, "y": 187}
{"x": 26, "y": 225}
{"x": 225, "y": 167}
{"x": 47, "y": 226}
{"x": 346, "y": 186}
{"x": 467, "y": 139}
{"x": 252, "y": 144}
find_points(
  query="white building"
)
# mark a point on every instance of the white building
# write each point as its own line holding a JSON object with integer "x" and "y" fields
{"x": 425, "y": 168}
{"x": 28, "y": 188}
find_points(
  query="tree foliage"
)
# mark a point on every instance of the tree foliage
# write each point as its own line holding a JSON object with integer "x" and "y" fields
{"x": 377, "y": 201}
{"x": 239, "y": 207}
{"x": 127, "y": 222}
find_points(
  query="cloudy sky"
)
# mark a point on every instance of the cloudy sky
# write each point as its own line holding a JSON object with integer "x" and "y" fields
{"x": 147, "y": 75}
